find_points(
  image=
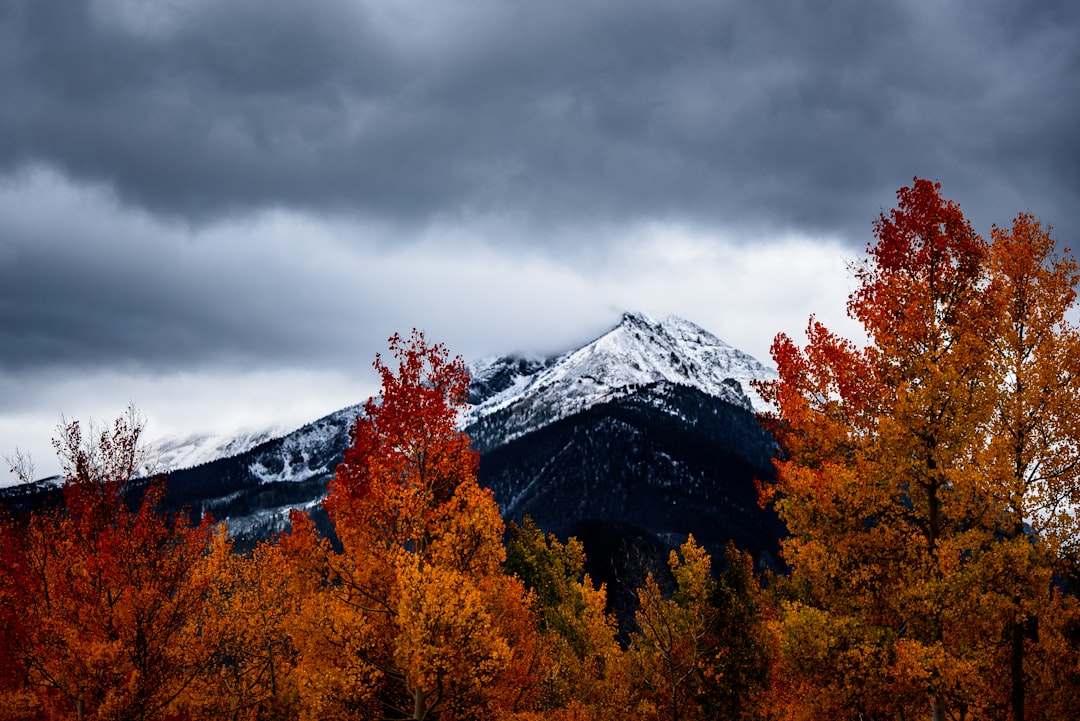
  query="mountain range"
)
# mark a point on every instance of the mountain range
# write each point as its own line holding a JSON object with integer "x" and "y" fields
{"x": 631, "y": 442}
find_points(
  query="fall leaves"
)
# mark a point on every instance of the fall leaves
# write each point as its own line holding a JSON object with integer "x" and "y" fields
{"x": 928, "y": 482}
{"x": 416, "y": 608}
{"x": 100, "y": 598}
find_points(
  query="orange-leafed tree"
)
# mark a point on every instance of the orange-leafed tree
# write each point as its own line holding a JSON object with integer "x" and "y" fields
{"x": 102, "y": 604}
{"x": 1032, "y": 457}
{"x": 250, "y": 601}
{"x": 413, "y": 616}
{"x": 923, "y": 474}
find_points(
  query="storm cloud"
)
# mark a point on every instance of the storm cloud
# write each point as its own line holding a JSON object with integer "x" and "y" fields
{"x": 783, "y": 114}
{"x": 266, "y": 186}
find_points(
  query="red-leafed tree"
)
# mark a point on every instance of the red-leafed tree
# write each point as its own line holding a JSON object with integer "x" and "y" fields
{"x": 101, "y": 607}
{"x": 414, "y": 616}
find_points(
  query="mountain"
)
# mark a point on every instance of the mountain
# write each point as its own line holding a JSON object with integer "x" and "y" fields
{"x": 512, "y": 396}
{"x": 255, "y": 491}
{"x": 667, "y": 459}
{"x": 631, "y": 442}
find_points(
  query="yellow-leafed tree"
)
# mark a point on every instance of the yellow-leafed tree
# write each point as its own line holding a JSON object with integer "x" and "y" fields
{"x": 586, "y": 674}
{"x": 673, "y": 650}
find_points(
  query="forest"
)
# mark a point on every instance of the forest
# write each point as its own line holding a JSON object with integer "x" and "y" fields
{"x": 927, "y": 477}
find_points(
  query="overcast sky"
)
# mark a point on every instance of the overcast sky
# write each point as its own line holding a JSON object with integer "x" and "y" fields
{"x": 220, "y": 210}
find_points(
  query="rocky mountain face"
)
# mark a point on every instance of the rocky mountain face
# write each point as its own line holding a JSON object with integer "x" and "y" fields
{"x": 630, "y": 442}
{"x": 659, "y": 463}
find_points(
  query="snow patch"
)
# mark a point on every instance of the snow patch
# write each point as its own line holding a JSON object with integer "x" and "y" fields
{"x": 170, "y": 454}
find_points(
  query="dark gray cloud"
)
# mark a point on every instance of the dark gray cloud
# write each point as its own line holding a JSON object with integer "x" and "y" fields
{"x": 130, "y": 304}
{"x": 781, "y": 114}
{"x": 89, "y": 286}
{"x": 228, "y": 206}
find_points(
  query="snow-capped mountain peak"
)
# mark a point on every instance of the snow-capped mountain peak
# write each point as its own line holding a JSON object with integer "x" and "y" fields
{"x": 641, "y": 350}
{"x": 638, "y": 351}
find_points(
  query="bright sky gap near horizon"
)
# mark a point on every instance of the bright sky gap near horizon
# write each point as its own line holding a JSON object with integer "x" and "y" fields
{"x": 220, "y": 211}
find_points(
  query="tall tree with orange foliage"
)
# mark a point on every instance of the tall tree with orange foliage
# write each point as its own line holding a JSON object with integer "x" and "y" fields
{"x": 101, "y": 602}
{"x": 923, "y": 475}
{"x": 1032, "y": 458}
{"x": 413, "y": 617}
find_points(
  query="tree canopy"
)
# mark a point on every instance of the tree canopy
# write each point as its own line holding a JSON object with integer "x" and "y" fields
{"x": 926, "y": 478}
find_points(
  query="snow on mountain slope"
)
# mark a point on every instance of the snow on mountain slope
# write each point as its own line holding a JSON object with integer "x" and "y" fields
{"x": 637, "y": 352}
{"x": 174, "y": 453}
{"x": 170, "y": 454}
{"x": 490, "y": 376}
{"x": 311, "y": 451}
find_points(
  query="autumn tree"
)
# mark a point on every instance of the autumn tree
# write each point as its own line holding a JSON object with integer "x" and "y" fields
{"x": 250, "y": 606}
{"x": 672, "y": 649}
{"x": 100, "y": 597}
{"x": 699, "y": 651}
{"x": 412, "y": 616}
{"x": 738, "y": 669}
{"x": 585, "y": 674}
{"x": 1032, "y": 459}
{"x": 923, "y": 475}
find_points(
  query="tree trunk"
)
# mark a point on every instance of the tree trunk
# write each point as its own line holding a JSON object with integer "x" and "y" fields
{"x": 1016, "y": 696}
{"x": 420, "y": 707}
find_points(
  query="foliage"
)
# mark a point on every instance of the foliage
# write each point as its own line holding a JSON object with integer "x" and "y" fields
{"x": 250, "y": 610}
{"x": 414, "y": 616}
{"x": 699, "y": 650}
{"x": 924, "y": 476}
{"x": 102, "y": 601}
{"x": 738, "y": 678}
{"x": 585, "y": 669}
